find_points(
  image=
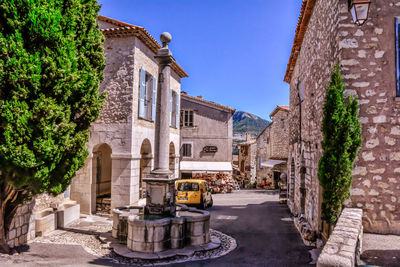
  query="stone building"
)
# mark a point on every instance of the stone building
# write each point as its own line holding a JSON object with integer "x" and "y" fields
{"x": 272, "y": 148}
{"x": 247, "y": 160}
{"x": 121, "y": 143}
{"x": 368, "y": 56}
{"x": 206, "y": 137}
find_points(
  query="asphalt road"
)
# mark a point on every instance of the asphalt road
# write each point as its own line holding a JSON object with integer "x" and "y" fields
{"x": 262, "y": 227}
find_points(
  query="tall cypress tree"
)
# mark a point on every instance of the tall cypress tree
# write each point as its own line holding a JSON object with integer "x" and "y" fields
{"x": 51, "y": 65}
{"x": 341, "y": 140}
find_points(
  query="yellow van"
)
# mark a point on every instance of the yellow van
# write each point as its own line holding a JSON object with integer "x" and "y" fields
{"x": 193, "y": 192}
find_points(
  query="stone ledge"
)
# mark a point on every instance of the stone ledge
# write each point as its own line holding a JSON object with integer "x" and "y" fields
{"x": 344, "y": 245}
{"x": 122, "y": 250}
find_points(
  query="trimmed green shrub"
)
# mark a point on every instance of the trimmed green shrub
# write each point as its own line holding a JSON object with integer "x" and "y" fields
{"x": 341, "y": 140}
{"x": 51, "y": 65}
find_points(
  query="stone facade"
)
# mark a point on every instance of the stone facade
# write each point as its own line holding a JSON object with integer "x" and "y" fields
{"x": 120, "y": 136}
{"x": 248, "y": 160}
{"x": 210, "y": 137}
{"x": 273, "y": 144}
{"x": 326, "y": 35}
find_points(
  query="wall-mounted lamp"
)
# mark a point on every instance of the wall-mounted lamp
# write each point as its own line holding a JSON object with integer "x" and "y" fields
{"x": 359, "y": 10}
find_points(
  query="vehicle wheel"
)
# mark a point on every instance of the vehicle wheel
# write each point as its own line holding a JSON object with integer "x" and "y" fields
{"x": 203, "y": 205}
{"x": 211, "y": 203}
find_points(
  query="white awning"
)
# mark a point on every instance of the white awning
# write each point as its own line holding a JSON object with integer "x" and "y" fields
{"x": 271, "y": 163}
{"x": 205, "y": 166}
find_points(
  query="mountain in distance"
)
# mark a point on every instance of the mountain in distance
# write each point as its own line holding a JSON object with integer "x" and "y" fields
{"x": 246, "y": 122}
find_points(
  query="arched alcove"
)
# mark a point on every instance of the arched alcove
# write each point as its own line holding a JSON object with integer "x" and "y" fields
{"x": 101, "y": 177}
{"x": 145, "y": 164}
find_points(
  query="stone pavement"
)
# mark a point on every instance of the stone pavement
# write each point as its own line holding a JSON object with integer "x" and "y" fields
{"x": 263, "y": 230}
{"x": 380, "y": 250}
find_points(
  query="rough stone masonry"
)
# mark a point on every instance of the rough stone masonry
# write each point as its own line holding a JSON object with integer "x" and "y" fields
{"x": 327, "y": 35}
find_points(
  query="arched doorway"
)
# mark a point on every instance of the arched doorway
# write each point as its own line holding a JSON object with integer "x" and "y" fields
{"x": 172, "y": 157}
{"x": 145, "y": 164}
{"x": 101, "y": 177}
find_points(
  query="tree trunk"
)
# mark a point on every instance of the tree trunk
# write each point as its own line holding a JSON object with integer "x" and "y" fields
{"x": 9, "y": 200}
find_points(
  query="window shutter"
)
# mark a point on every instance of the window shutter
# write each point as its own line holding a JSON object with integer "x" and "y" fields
{"x": 177, "y": 111}
{"x": 142, "y": 93}
{"x": 170, "y": 107}
{"x": 261, "y": 159}
{"x": 154, "y": 100}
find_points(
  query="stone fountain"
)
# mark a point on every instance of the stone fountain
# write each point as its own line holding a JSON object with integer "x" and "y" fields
{"x": 161, "y": 225}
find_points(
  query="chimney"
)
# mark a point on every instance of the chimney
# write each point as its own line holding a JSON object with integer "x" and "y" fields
{"x": 199, "y": 96}
{"x": 183, "y": 93}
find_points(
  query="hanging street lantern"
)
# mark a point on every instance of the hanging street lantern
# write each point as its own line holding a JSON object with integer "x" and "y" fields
{"x": 359, "y": 10}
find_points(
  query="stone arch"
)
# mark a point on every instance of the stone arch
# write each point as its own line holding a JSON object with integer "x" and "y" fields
{"x": 172, "y": 157}
{"x": 101, "y": 178}
{"x": 145, "y": 164}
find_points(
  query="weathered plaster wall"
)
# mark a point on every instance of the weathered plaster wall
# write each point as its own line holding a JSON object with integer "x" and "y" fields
{"x": 212, "y": 127}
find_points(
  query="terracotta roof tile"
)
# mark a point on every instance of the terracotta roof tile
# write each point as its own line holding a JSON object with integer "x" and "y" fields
{"x": 125, "y": 29}
{"x": 305, "y": 14}
{"x": 198, "y": 99}
{"x": 285, "y": 108}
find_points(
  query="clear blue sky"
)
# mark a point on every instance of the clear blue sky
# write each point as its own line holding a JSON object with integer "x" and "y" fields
{"x": 235, "y": 51}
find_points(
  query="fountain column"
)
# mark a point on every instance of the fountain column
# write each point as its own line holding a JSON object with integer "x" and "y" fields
{"x": 160, "y": 197}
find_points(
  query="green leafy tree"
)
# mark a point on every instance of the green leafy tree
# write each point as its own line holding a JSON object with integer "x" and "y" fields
{"x": 51, "y": 65}
{"x": 341, "y": 140}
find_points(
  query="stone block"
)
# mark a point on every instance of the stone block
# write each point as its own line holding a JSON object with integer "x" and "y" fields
{"x": 12, "y": 234}
{"x": 67, "y": 213}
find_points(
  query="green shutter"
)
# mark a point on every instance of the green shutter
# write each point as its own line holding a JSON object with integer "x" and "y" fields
{"x": 154, "y": 100}
{"x": 142, "y": 93}
{"x": 177, "y": 111}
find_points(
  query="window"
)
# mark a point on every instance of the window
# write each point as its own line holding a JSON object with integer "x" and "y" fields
{"x": 397, "y": 33}
{"x": 188, "y": 187}
{"x": 267, "y": 140}
{"x": 261, "y": 160}
{"x": 282, "y": 123}
{"x": 187, "y": 150}
{"x": 187, "y": 118}
{"x": 173, "y": 109}
{"x": 261, "y": 141}
{"x": 147, "y": 95}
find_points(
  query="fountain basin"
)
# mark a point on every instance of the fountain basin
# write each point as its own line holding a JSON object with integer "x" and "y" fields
{"x": 45, "y": 221}
{"x": 152, "y": 234}
{"x": 68, "y": 213}
{"x": 120, "y": 221}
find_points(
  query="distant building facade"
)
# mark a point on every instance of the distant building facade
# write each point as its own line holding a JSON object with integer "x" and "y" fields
{"x": 247, "y": 160}
{"x": 273, "y": 148}
{"x": 369, "y": 59}
{"x": 121, "y": 141}
{"x": 206, "y": 137}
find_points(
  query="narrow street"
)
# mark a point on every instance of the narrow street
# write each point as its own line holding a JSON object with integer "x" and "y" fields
{"x": 263, "y": 229}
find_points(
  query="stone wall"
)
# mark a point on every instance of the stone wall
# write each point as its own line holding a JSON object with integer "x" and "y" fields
{"x": 119, "y": 126}
{"x": 366, "y": 56}
{"x": 275, "y": 145}
{"x": 344, "y": 245}
{"x": 319, "y": 52}
{"x": 22, "y": 227}
{"x": 368, "y": 70}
